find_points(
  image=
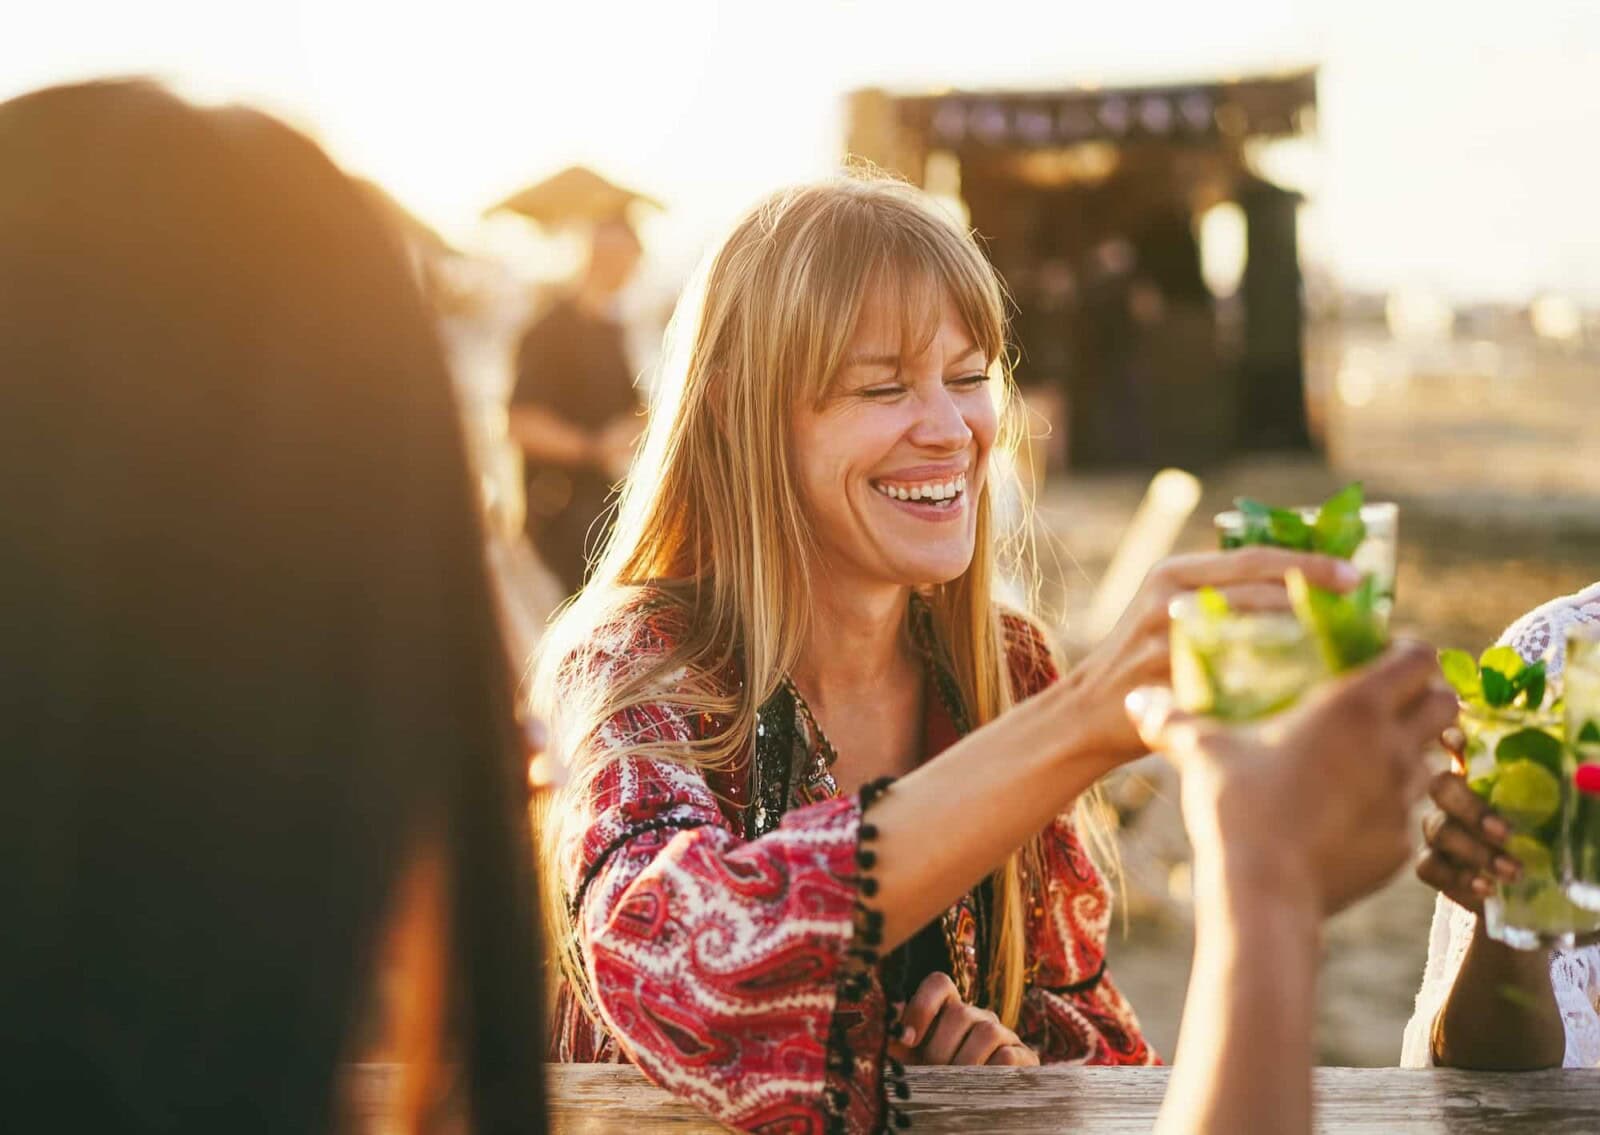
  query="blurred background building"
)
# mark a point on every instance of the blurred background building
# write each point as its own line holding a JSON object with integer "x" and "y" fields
{"x": 1093, "y": 202}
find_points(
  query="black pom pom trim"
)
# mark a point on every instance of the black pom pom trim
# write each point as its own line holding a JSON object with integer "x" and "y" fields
{"x": 855, "y": 982}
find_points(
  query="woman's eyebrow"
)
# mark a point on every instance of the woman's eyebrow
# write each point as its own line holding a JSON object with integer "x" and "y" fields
{"x": 866, "y": 360}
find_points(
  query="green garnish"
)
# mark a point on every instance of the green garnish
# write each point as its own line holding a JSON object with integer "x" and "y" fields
{"x": 1348, "y": 629}
{"x": 1534, "y": 746}
{"x": 1337, "y": 529}
{"x": 1498, "y": 679}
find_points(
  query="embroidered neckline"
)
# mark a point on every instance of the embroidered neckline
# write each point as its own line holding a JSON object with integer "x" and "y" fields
{"x": 792, "y": 766}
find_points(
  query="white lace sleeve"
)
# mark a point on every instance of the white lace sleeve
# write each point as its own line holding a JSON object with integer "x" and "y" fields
{"x": 1542, "y": 632}
{"x": 1574, "y": 974}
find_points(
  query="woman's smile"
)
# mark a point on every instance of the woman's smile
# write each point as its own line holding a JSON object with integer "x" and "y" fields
{"x": 932, "y": 495}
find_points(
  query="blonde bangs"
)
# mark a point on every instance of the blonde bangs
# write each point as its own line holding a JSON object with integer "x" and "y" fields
{"x": 900, "y": 252}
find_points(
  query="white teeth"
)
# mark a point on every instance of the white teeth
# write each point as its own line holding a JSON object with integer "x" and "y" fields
{"x": 932, "y": 491}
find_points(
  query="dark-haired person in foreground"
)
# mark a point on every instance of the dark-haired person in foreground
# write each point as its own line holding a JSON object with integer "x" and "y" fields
{"x": 257, "y": 747}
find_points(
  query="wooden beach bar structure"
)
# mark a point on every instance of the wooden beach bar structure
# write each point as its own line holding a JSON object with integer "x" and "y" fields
{"x": 1088, "y": 200}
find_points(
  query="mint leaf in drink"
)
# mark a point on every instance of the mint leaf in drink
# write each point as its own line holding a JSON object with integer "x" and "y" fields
{"x": 1346, "y": 628}
{"x": 1530, "y": 745}
{"x": 1529, "y": 682}
{"x": 1339, "y": 529}
{"x": 1461, "y": 672}
{"x": 1589, "y": 734}
{"x": 1257, "y": 522}
{"x": 1275, "y": 527}
{"x": 1289, "y": 529}
{"x": 1497, "y": 691}
{"x": 1502, "y": 658}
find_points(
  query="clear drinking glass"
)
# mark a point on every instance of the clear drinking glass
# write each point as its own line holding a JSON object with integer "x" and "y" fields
{"x": 1240, "y": 665}
{"x": 1515, "y": 759}
{"x": 1581, "y": 696}
{"x": 1376, "y": 555}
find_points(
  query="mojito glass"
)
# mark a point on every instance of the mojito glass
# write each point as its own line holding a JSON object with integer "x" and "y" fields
{"x": 1375, "y": 556}
{"x": 1582, "y": 715}
{"x": 1239, "y": 665}
{"x": 1515, "y": 759}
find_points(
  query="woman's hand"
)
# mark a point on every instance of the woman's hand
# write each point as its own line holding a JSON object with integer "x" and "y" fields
{"x": 1137, "y": 652}
{"x": 937, "y": 1027}
{"x": 1318, "y": 798}
{"x": 1466, "y": 844}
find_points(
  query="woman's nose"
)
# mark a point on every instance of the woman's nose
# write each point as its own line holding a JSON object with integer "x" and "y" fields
{"x": 940, "y": 425}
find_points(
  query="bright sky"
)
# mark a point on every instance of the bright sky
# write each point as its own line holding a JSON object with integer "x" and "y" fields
{"x": 1456, "y": 145}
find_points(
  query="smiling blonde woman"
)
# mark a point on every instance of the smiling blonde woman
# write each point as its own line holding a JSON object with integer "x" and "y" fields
{"x": 820, "y": 817}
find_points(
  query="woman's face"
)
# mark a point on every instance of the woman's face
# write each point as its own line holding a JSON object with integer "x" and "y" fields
{"x": 892, "y": 464}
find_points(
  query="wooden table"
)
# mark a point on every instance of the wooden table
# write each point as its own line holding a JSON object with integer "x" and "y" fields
{"x": 591, "y": 1099}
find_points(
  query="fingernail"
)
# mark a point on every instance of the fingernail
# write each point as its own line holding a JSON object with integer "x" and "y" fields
{"x": 908, "y": 1036}
{"x": 1496, "y": 828}
{"x": 1138, "y": 702}
{"x": 1483, "y": 887}
{"x": 1348, "y": 573}
{"x": 1506, "y": 868}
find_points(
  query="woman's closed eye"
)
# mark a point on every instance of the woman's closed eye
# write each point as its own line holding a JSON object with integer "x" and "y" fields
{"x": 969, "y": 381}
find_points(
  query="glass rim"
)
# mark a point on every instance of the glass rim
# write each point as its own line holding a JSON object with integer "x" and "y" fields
{"x": 1372, "y": 510}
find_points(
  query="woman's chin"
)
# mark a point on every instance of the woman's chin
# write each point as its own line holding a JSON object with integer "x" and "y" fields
{"x": 933, "y": 570}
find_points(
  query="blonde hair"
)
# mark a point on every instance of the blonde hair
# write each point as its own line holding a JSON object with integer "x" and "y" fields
{"x": 716, "y": 529}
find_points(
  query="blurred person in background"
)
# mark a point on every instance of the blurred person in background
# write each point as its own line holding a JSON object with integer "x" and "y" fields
{"x": 574, "y": 410}
{"x": 821, "y": 811}
{"x": 1483, "y": 1004}
{"x": 259, "y": 753}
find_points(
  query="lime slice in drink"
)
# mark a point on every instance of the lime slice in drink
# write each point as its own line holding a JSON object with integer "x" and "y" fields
{"x": 1526, "y": 794}
{"x": 1550, "y": 910}
{"x": 1532, "y": 854}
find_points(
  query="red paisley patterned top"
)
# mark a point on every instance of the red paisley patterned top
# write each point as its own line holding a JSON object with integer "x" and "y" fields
{"x": 718, "y": 964}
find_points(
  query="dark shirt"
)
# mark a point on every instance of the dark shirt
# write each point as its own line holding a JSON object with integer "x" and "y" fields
{"x": 575, "y": 366}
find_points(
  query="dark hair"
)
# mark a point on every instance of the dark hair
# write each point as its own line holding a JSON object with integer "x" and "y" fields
{"x": 249, "y": 656}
